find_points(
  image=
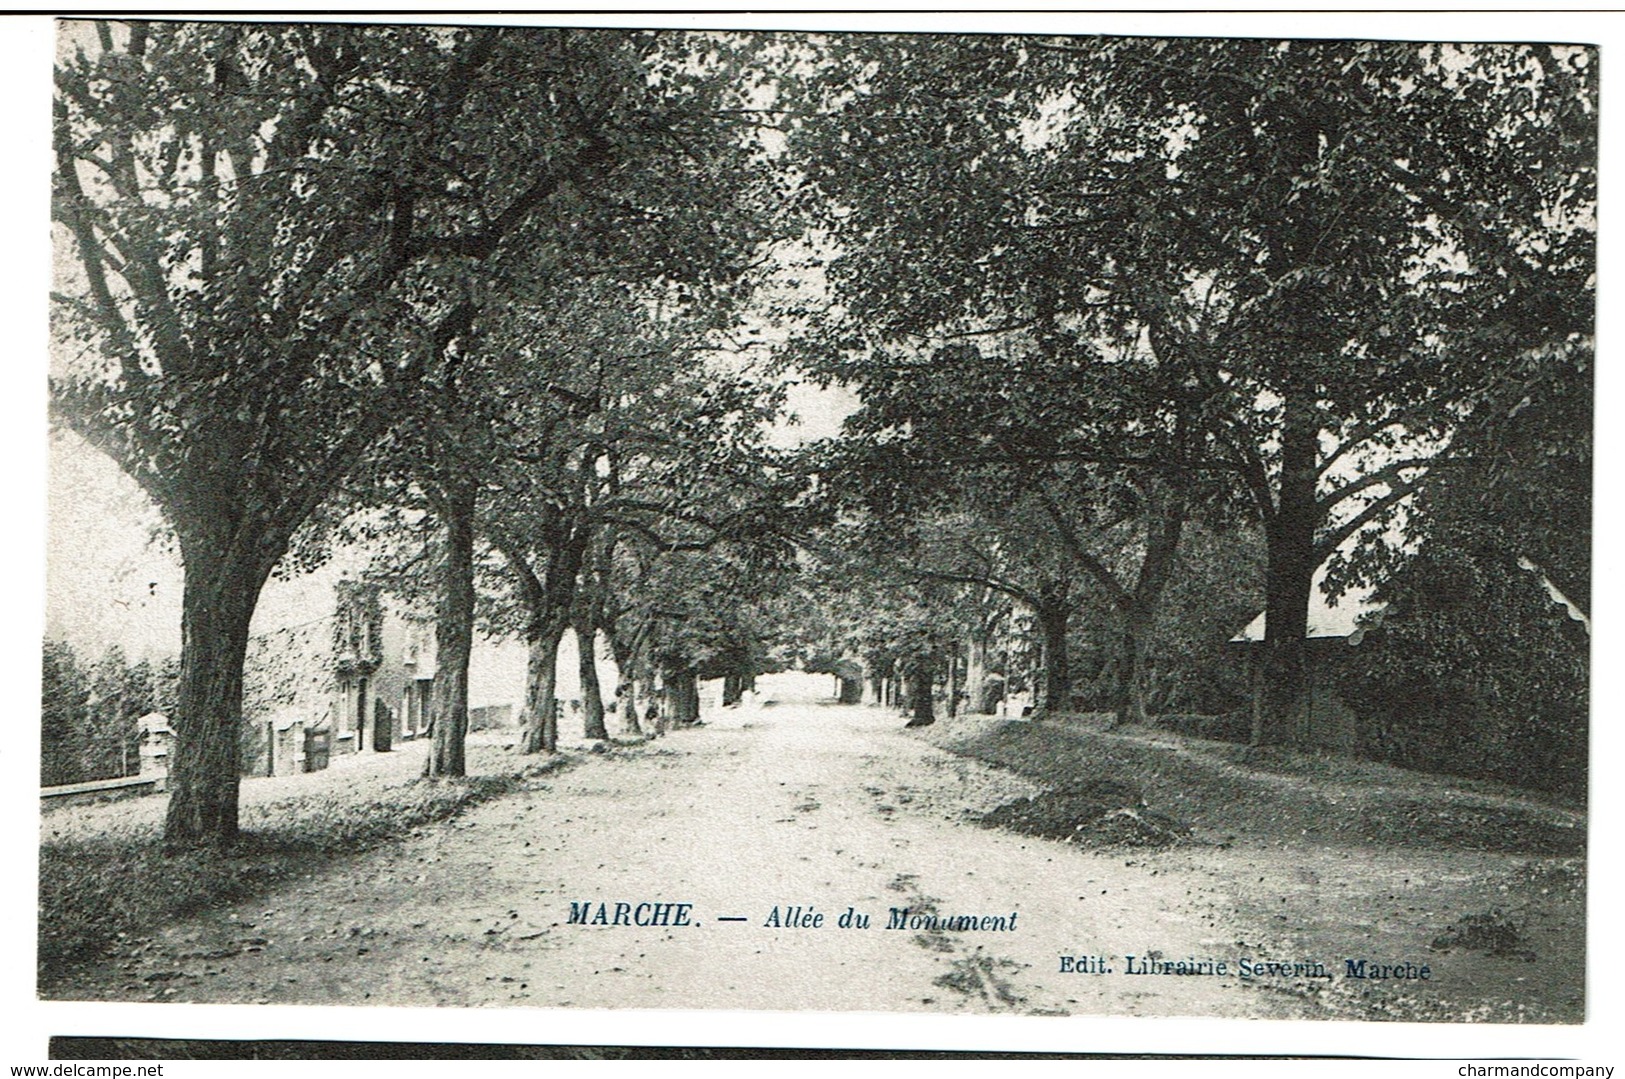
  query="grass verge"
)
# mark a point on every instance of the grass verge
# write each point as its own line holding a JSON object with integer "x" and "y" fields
{"x": 1315, "y": 857}
{"x": 1224, "y": 791}
{"x": 100, "y": 884}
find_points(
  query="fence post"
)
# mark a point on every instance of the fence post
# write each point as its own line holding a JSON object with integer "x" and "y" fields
{"x": 155, "y": 739}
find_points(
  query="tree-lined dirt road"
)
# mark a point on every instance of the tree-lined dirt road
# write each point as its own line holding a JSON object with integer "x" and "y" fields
{"x": 794, "y": 805}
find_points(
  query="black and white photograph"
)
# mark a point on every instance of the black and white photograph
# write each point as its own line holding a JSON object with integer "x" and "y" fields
{"x": 715, "y": 518}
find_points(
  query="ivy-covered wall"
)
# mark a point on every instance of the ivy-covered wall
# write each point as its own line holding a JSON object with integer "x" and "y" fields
{"x": 317, "y": 672}
{"x": 289, "y": 672}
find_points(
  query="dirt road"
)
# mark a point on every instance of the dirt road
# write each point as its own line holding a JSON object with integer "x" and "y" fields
{"x": 806, "y": 809}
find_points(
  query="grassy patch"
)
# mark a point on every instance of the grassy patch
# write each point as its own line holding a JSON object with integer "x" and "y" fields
{"x": 1490, "y": 932}
{"x": 1231, "y": 727}
{"x": 101, "y": 884}
{"x": 1099, "y": 815}
{"x": 1226, "y": 790}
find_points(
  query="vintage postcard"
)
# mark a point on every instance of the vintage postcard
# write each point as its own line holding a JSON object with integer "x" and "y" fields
{"x": 906, "y": 527}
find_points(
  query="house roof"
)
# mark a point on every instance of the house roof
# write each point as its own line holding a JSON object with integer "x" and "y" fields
{"x": 1327, "y": 618}
{"x": 1557, "y": 595}
{"x": 1342, "y": 618}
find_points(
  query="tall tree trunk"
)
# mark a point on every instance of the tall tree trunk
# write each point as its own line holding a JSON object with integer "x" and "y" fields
{"x": 454, "y": 633}
{"x": 591, "y": 596}
{"x": 549, "y": 600}
{"x": 672, "y": 701}
{"x": 217, "y": 605}
{"x": 1128, "y": 690}
{"x": 1053, "y": 692}
{"x": 733, "y": 688}
{"x": 626, "y": 703}
{"x": 851, "y": 689}
{"x": 1165, "y": 525}
{"x": 647, "y": 693}
{"x": 541, "y": 680}
{"x": 978, "y": 698}
{"x": 592, "y": 697}
{"x": 1290, "y": 535}
{"x": 691, "y": 696}
{"x": 626, "y": 691}
{"x": 918, "y": 679}
{"x": 875, "y": 667}
{"x": 682, "y": 695}
{"x": 953, "y": 679}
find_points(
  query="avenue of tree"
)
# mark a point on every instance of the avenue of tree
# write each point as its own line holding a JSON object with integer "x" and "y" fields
{"x": 1144, "y": 334}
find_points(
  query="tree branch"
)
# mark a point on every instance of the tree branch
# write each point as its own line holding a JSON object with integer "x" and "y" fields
{"x": 1095, "y": 567}
{"x": 1389, "y": 473}
{"x": 1334, "y": 539}
{"x": 1010, "y": 589}
{"x": 70, "y": 206}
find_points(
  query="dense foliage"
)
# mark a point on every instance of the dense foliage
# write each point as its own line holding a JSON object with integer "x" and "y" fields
{"x": 1481, "y": 663}
{"x": 88, "y": 713}
{"x": 1475, "y": 670}
{"x": 1144, "y": 335}
{"x": 1298, "y": 264}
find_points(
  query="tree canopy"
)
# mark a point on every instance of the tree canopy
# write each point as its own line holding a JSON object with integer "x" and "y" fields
{"x": 1141, "y": 332}
{"x": 1320, "y": 255}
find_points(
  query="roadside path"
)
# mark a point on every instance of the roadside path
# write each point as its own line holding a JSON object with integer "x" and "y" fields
{"x": 803, "y": 805}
